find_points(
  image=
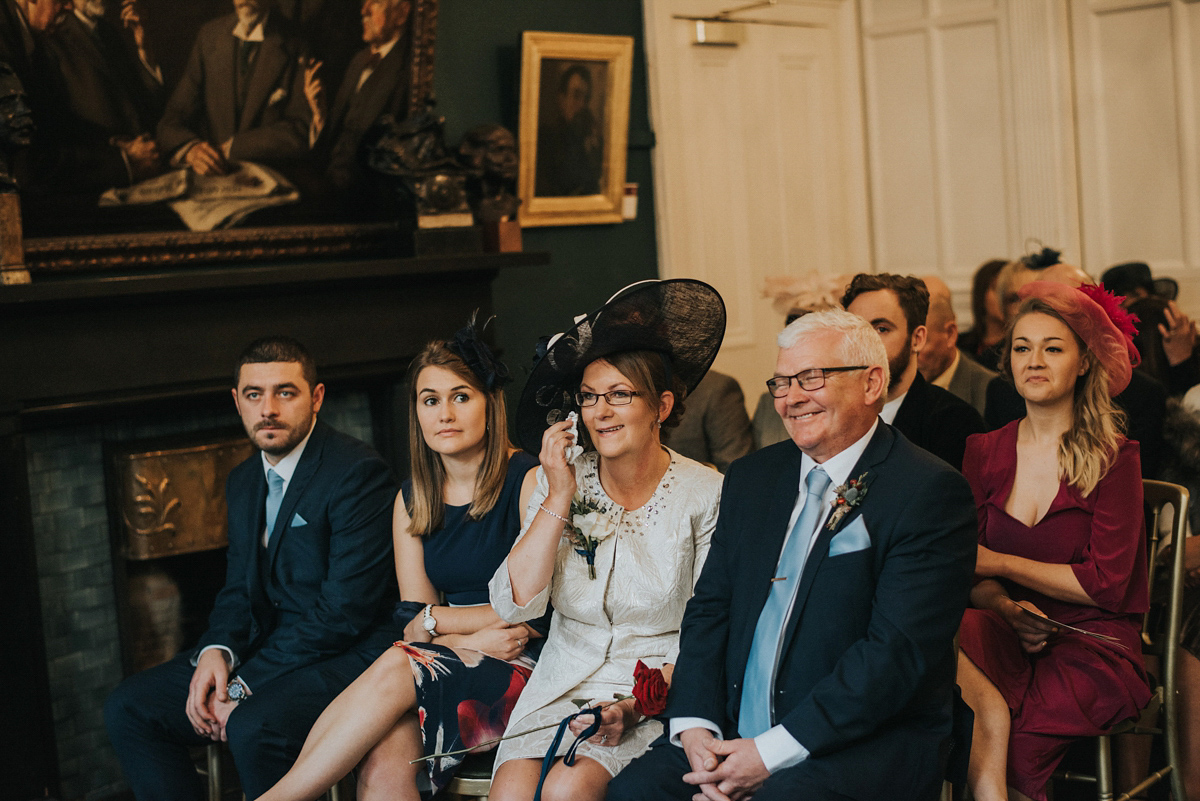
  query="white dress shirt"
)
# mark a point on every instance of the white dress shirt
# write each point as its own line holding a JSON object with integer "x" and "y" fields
{"x": 254, "y": 34}
{"x": 776, "y": 746}
{"x": 285, "y": 468}
{"x": 888, "y": 414}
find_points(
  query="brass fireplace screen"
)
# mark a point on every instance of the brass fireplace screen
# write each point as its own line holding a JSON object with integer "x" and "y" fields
{"x": 172, "y": 501}
{"x": 169, "y": 530}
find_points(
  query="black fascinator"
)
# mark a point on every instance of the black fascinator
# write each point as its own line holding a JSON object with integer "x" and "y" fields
{"x": 680, "y": 318}
{"x": 1041, "y": 259}
{"x": 469, "y": 346}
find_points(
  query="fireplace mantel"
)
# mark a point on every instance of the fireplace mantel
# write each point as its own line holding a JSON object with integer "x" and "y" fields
{"x": 93, "y": 342}
{"x": 108, "y": 347}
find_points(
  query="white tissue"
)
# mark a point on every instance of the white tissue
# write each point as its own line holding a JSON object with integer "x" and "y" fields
{"x": 574, "y": 450}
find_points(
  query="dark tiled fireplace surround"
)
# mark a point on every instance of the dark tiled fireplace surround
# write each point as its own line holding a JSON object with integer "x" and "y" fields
{"x": 93, "y": 363}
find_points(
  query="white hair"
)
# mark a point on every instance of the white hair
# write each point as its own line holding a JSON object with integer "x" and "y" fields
{"x": 861, "y": 344}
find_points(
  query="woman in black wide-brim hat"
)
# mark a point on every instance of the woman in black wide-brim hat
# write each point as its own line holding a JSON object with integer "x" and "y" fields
{"x": 614, "y": 538}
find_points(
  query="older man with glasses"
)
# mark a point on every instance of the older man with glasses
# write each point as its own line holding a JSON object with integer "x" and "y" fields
{"x": 816, "y": 657}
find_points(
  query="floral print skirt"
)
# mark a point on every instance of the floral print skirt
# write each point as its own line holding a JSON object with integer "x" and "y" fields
{"x": 464, "y": 698}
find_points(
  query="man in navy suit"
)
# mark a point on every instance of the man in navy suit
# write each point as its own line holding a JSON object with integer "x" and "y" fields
{"x": 816, "y": 656}
{"x": 306, "y": 602}
{"x": 931, "y": 417}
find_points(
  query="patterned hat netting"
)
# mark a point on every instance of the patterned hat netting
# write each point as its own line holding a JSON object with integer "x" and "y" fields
{"x": 681, "y": 318}
{"x": 1097, "y": 318}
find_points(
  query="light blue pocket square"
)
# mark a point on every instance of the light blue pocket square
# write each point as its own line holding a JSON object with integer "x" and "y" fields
{"x": 853, "y": 537}
{"x": 298, "y": 521}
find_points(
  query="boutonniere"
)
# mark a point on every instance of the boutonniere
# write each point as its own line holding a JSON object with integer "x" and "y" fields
{"x": 589, "y": 525}
{"x": 847, "y": 496}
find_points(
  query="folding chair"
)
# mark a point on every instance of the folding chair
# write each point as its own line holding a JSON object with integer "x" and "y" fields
{"x": 1160, "y": 636}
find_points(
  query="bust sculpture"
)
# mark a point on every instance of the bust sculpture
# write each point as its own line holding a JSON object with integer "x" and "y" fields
{"x": 16, "y": 124}
{"x": 489, "y": 153}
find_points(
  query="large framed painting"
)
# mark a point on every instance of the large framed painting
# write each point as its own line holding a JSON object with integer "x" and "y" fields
{"x": 175, "y": 132}
{"x": 574, "y": 127}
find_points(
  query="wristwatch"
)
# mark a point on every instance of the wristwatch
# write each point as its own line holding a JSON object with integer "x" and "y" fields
{"x": 430, "y": 623}
{"x": 237, "y": 691}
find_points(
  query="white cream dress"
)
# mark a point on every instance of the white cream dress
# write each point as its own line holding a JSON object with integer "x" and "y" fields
{"x": 646, "y": 566}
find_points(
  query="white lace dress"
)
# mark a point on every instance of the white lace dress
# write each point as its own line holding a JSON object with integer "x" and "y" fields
{"x": 645, "y": 572}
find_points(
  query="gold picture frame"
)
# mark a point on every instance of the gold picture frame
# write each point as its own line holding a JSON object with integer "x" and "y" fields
{"x": 574, "y": 127}
{"x": 57, "y": 239}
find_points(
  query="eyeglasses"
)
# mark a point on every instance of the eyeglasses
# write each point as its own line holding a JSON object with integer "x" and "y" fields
{"x": 807, "y": 379}
{"x": 618, "y": 397}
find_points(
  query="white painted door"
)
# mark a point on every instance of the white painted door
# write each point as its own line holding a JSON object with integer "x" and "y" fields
{"x": 970, "y": 134}
{"x": 1138, "y": 78}
{"x": 759, "y": 164}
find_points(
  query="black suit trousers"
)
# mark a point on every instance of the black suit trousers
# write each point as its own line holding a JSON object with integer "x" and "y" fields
{"x": 148, "y": 726}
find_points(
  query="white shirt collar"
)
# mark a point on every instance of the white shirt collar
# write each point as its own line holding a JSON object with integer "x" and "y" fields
{"x": 287, "y": 465}
{"x": 838, "y": 467}
{"x": 87, "y": 21}
{"x": 890, "y": 408}
{"x": 255, "y": 34}
{"x": 947, "y": 375}
{"x": 386, "y": 48}
{"x": 369, "y": 70}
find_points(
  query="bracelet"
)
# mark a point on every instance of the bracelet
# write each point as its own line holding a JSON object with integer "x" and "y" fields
{"x": 542, "y": 506}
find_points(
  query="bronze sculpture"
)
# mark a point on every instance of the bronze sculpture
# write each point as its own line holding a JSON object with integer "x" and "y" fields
{"x": 16, "y": 124}
{"x": 489, "y": 153}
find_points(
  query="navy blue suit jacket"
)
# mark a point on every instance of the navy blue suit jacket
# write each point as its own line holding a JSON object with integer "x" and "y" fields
{"x": 330, "y": 576}
{"x": 866, "y": 676}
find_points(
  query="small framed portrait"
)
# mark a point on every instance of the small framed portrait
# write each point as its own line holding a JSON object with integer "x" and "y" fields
{"x": 574, "y": 127}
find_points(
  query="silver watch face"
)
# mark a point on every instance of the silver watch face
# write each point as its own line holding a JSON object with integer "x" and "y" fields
{"x": 236, "y": 691}
{"x": 430, "y": 624}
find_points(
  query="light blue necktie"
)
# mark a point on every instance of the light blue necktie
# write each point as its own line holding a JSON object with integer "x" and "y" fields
{"x": 274, "y": 499}
{"x": 755, "y": 715}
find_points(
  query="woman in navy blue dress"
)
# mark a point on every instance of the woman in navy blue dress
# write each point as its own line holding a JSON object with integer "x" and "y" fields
{"x": 454, "y": 678}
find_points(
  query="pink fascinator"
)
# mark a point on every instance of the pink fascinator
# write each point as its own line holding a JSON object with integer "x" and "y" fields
{"x": 1097, "y": 318}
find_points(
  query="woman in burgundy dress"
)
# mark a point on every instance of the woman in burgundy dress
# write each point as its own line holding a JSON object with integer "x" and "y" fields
{"x": 1061, "y": 536}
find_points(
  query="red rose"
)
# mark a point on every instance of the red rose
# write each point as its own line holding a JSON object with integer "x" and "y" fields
{"x": 649, "y": 690}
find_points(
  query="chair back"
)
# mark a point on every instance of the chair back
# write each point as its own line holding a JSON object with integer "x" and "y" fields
{"x": 1163, "y": 638}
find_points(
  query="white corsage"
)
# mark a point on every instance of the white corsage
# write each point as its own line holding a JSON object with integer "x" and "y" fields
{"x": 589, "y": 525}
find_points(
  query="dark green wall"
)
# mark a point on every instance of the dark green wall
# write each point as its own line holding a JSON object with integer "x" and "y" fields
{"x": 477, "y": 80}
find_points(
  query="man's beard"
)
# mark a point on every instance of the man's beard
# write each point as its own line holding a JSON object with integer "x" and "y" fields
{"x": 899, "y": 366}
{"x": 250, "y": 14}
{"x": 92, "y": 9}
{"x": 285, "y": 438}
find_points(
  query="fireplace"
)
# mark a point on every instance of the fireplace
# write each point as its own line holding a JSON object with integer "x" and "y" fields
{"x": 105, "y": 368}
{"x": 169, "y": 533}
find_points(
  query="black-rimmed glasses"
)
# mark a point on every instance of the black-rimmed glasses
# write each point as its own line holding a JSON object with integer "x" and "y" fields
{"x": 808, "y": 379}
{"x": 618, "y": 397}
